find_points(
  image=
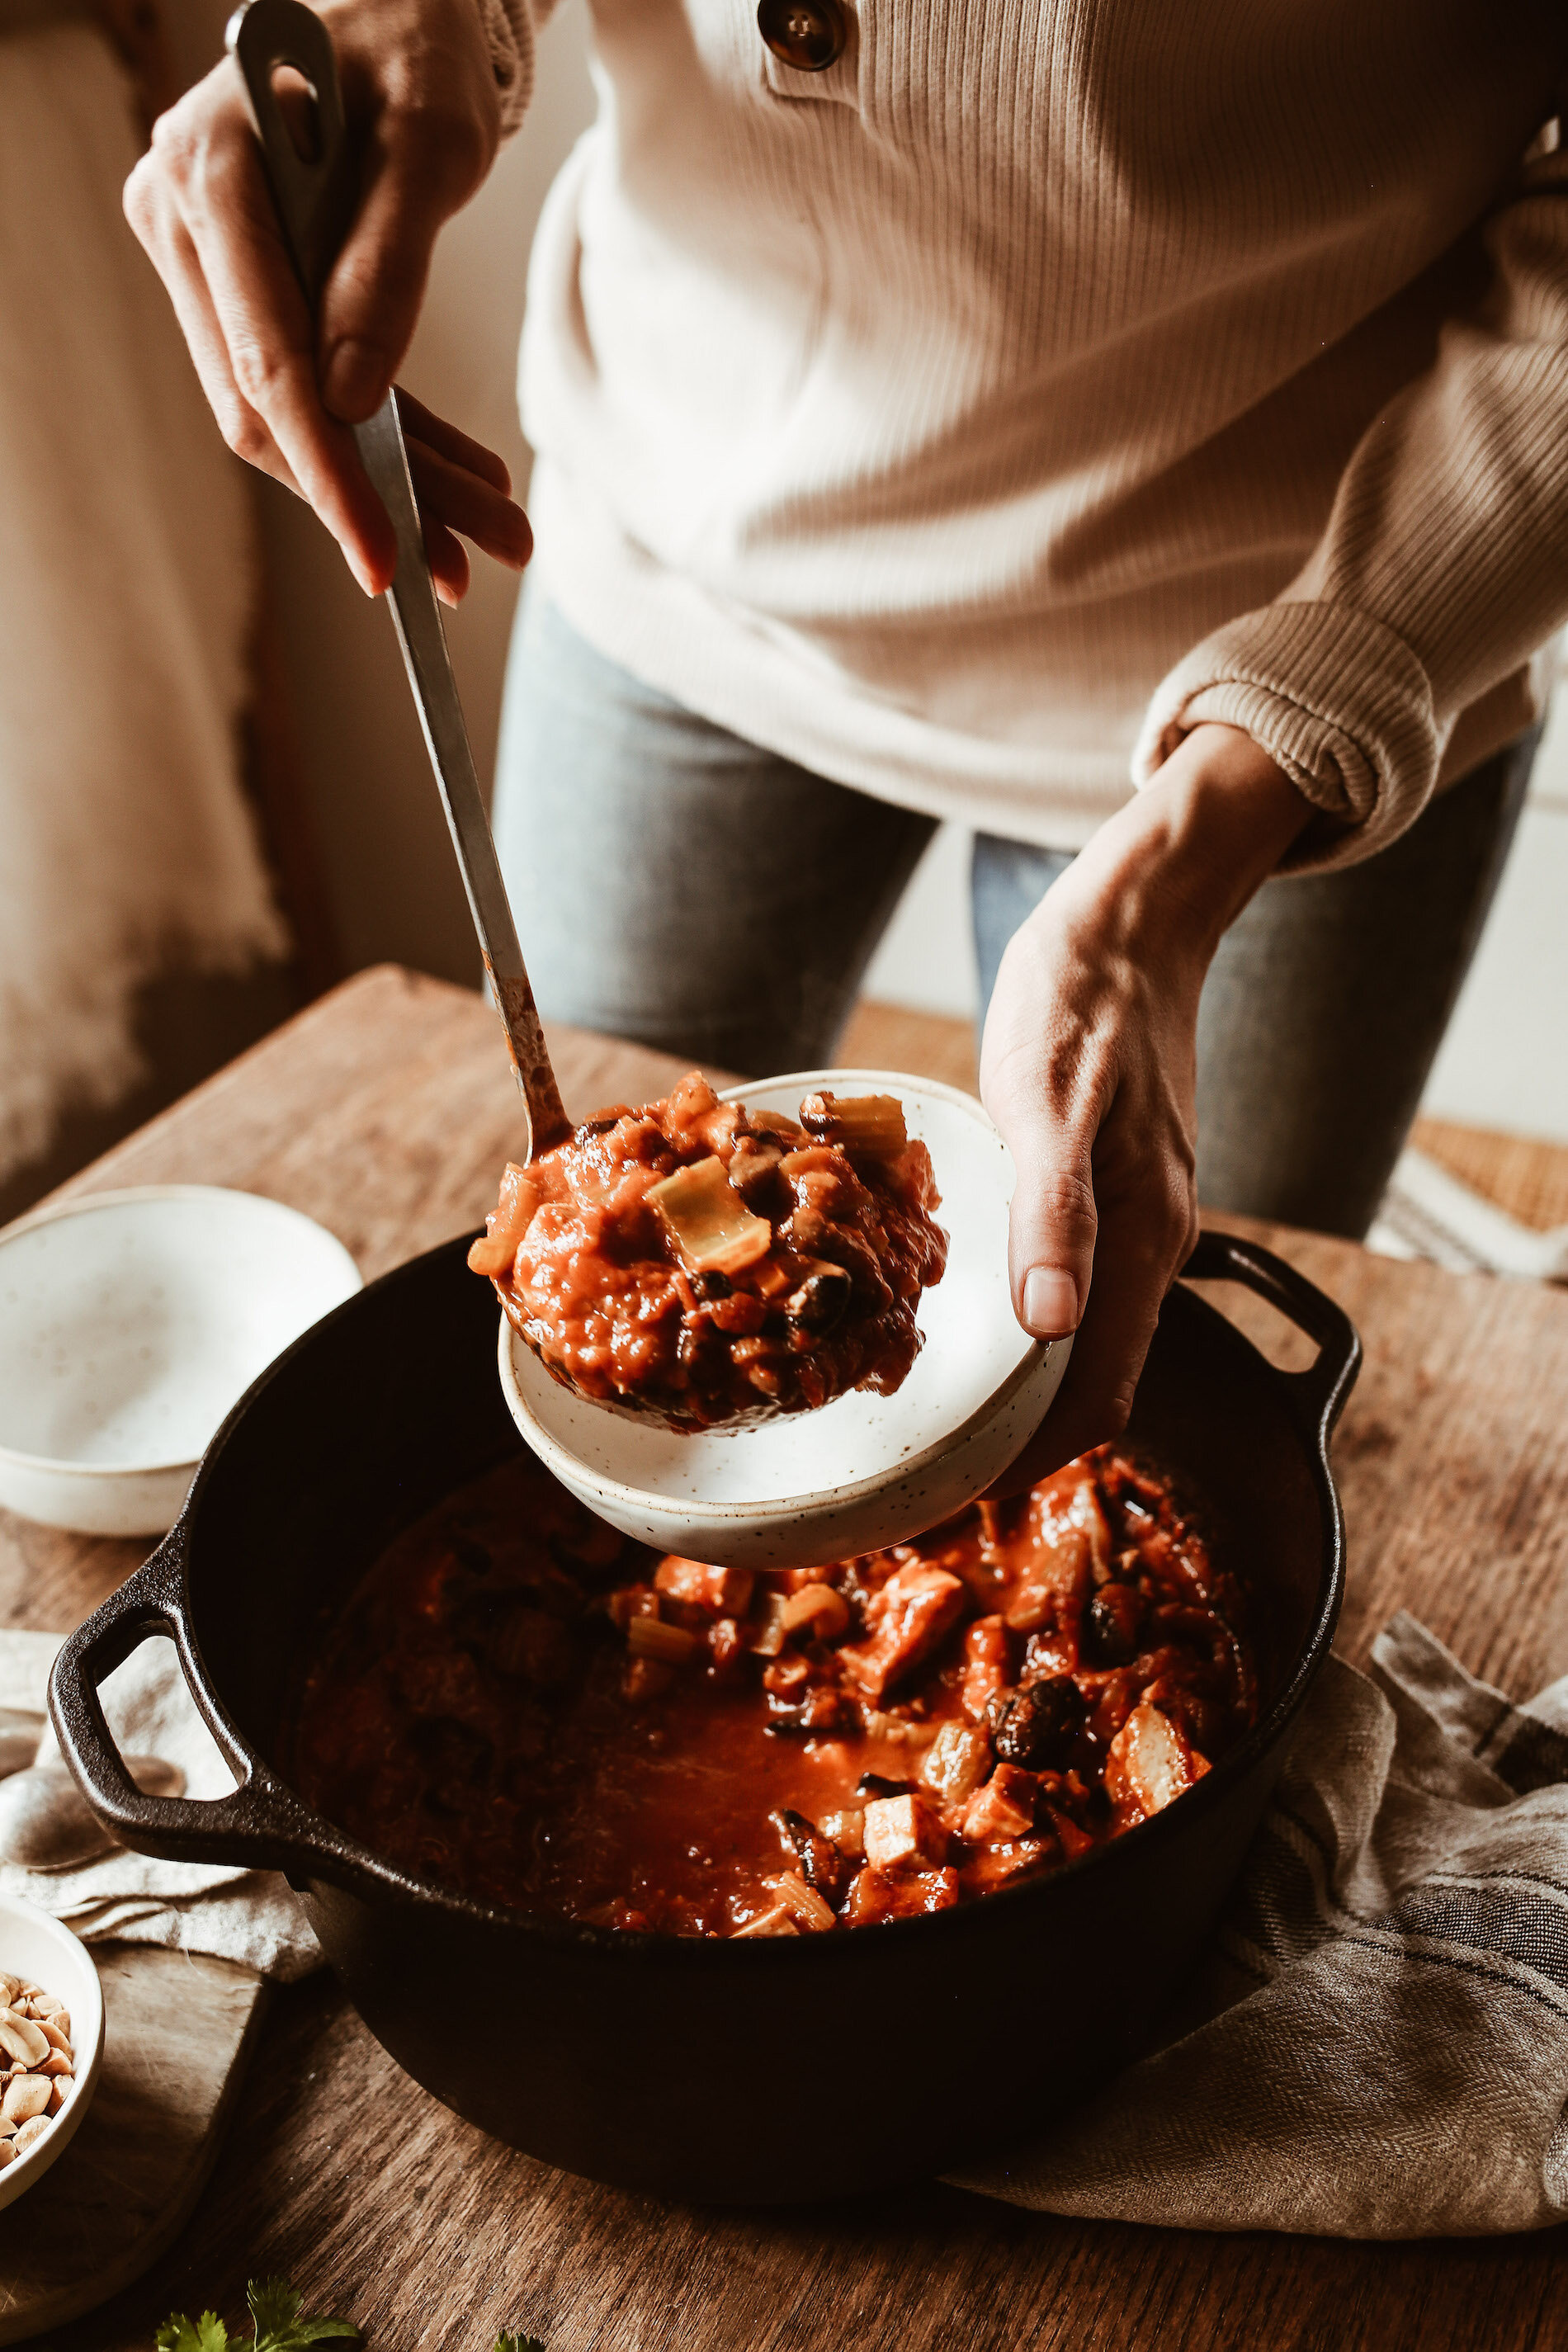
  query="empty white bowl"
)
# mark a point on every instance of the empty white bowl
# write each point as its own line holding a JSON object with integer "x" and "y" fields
{"x": 863, "y": 1471}
{"x": 39, "y": 1948}
{"x": 129, "y": 1323}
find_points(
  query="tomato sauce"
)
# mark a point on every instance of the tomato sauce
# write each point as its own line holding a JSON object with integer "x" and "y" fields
{"x": 519, "y": 1704}
{"x": 691, "y": 1261}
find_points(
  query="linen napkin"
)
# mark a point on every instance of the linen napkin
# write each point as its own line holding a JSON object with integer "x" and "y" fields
{"x": 1426, "y": 1212}
{"x": 250, "y": 1916}
{"x": 1376, "y": 2044}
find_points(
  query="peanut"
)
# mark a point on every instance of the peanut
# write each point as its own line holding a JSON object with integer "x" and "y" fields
{"x": 26, "y": 2097}
{"x": 36, "y": 2064}
{"x": 21, "y": 2038}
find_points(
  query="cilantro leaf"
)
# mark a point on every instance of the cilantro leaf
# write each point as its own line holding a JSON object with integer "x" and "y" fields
{"x": 280, "y": 2326}
{"x": 275, "y": 2306}
{"x": 209, "y": 2335}
{"x": 505, "y": 2342}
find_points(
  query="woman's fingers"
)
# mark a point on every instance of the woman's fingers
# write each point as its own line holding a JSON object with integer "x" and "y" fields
{"x": 447, "y": 559}
{"x": 200, "y": 203}
{"x": 1087, "y": 1068}
{"x": 242, "y": 428}
{"x": 450, "y": 494}
{"x": 1038, "y": 1079}
{"x": 423, "y": 163}
{"x": 1145, "y": 1239}
{"x": 272, "y": 345}
{"x": 422, "y": 424}
{"x": 423, "y": 118}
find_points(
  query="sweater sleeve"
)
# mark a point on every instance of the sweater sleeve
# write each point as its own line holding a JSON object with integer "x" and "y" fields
{"x": 511, "y": 27}
{"x": 1443, "y": 567}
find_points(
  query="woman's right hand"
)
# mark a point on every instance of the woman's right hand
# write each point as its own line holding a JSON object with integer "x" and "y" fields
{"x": 424, "y": 117}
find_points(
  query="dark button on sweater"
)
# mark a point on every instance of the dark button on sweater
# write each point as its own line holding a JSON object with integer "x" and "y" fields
{"x": 806, "y": 34}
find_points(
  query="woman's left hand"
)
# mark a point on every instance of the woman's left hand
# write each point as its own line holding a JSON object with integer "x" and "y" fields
{"x": 1088, "y": 1066}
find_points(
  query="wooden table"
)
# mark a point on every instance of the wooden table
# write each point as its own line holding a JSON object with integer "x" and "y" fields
{"x": 386, "y": 1111}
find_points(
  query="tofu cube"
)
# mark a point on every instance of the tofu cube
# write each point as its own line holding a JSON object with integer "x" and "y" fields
{"x": 903, "y": 1834}
{"x": 1004, "y": 1807}
{"x": 956, "y": 1762}
{"x": 718, "y": 1592}
{"x": 1149, "y": 1762}
{"x": 911, "y": 1614}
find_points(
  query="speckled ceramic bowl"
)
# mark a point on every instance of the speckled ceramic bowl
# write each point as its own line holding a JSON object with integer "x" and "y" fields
{"x": 129, "y": 1322}
{"x": 865, "y": 1470}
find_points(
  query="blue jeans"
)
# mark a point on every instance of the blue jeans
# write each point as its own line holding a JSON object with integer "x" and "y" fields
{"x": 678, "y": 886}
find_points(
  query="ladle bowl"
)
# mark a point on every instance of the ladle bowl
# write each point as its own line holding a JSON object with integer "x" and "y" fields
{"x": 862, "y": 1472}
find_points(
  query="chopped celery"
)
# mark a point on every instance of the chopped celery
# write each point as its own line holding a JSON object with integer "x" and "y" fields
{"x": 714, "y": 1230}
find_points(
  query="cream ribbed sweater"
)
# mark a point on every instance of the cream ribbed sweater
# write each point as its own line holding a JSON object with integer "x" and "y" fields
{"x": 1049, "y": 375}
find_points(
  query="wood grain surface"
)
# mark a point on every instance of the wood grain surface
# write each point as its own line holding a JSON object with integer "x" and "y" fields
{"x": 177, "y": 2026}
{"x": 386, "y": 1111}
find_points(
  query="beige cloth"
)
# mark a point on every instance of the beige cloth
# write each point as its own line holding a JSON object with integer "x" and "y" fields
{"x": 250, "y": 1916}
{"x": 126, "y": 581}
{"x": 970, "y": 419}
{"x": 1377, "y": 2044}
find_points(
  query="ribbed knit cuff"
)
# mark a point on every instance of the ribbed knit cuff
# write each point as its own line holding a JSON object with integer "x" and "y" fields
{"x": 509, "y": 32}
{"x": 1336, "y": 699}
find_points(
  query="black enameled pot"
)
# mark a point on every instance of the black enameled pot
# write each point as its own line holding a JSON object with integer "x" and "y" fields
{"x": 683, "y": 2065}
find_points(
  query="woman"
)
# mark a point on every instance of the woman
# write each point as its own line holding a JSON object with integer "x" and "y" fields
{"x": 945, "y": 407}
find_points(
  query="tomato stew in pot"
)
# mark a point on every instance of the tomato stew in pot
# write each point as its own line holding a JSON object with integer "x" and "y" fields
{"x": 707, "y": 1266}
{"x": 524, "y": 1706}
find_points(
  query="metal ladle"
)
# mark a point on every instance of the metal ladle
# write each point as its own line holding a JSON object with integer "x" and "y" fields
{"x": 315, "y": 196}
{"x": 46, "y": 1822}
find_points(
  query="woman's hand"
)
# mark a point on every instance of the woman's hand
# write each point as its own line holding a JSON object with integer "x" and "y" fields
{"x": 422, "y": 115}
{"x": 1088, "y": 1066}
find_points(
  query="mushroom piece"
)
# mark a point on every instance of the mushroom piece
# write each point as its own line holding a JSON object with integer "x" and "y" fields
{"x": 1037, "y": 1726}
{"x": 819, "y": 1301}
{"x": 823, "y": 1867}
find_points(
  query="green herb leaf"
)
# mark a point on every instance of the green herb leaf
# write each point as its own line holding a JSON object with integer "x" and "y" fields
{"x": 275, "y": 2306}
{"x": 209, "y": 2335}
{"x": 280, "y": 2326}
{"x": 505, "y": 2342}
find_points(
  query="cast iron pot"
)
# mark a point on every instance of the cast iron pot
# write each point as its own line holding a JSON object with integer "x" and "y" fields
{"x": 681, "y": 2065}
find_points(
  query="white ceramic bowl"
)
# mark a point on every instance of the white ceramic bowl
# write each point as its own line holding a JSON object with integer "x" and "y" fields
{"x": 34, "y": 1945}
{"x": 863, "y": 1471}
{"x": 129, "y": 1323}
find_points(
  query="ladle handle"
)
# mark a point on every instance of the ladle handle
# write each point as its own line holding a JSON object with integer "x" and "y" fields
{"x": 314, "y": 195}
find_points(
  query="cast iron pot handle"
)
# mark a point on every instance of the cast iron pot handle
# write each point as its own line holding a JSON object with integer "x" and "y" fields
{"x": 261, "y": 1823}
{"x": 1318, "y": 1393}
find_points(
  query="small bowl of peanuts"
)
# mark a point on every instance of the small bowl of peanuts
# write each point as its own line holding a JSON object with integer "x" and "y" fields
{"x": 51, "y": 2041}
